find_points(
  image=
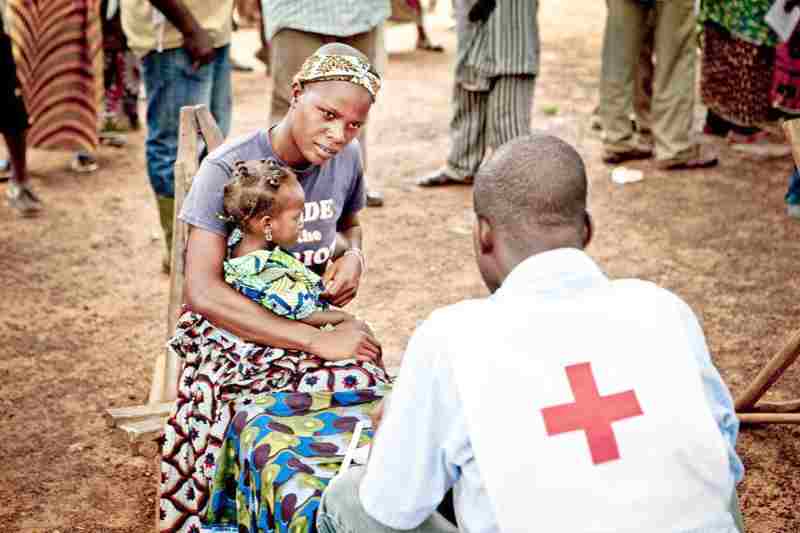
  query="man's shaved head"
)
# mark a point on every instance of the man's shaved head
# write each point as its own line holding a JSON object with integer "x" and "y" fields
{"x": 532, "y": 189}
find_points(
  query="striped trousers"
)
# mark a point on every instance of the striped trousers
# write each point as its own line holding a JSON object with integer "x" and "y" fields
{"x": 487, "y": 119}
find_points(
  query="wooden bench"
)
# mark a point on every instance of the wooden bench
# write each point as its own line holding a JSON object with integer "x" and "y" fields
{"x": 143, "y": 423}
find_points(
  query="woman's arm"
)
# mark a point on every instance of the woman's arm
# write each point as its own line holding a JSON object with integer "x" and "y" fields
{"x": 321, "y": 318}
{"x": 206, "y": 292}
{"x": 343, "y": 276}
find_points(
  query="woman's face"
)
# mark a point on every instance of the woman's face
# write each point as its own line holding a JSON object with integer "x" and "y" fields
{"x": 326, "y": 117}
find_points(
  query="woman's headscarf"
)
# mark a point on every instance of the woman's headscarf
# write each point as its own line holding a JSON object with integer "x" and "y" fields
{"x": 336, "y": 67}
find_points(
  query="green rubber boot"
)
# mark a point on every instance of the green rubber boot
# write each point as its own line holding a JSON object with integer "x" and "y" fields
{"x": 166, "y": 212}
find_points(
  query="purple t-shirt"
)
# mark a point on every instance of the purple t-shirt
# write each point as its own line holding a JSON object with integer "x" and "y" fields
{"x": 333, "y": 190}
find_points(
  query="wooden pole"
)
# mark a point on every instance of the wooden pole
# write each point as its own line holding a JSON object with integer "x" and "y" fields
{"x": 165, "y": 373}
{"x": 791, "y": 406}
{"x": 769, "y": 418}
{"x": 770, "y": 373}
{"x": 208, "y": 127}
{"x": 792, "y": 130}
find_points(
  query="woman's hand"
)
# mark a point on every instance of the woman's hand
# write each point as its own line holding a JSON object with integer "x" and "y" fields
{"x": 341, "y": 279}
{"x": 350, "y": 339}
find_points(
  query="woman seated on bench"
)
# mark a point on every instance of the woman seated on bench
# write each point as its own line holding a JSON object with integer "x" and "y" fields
{"x": 239, "y": 357}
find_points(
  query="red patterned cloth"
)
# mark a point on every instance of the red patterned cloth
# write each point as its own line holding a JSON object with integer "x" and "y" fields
{"x": 786, "y": 77}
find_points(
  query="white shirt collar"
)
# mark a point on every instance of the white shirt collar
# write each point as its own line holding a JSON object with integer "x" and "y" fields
{"x": 552, "y": 271}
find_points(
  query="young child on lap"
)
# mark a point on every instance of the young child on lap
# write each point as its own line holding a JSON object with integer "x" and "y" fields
{"x": 265, "y": 203}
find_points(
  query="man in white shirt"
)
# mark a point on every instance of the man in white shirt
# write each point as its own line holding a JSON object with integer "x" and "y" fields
{"x": 565, "y": 401}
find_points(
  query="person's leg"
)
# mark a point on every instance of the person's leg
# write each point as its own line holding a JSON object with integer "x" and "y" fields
{"x": 263, "y": 53}
{"x": 674, "y": 86}
{"x": 341, "y": 511}
{"x": 508, "y": 109}
{"x": 467, "y": 139}
{"x": 643, "y": 79}
{"x": 19, "y": 193}
{"x": 171, "y": 83}
{"x": 221, "y": 105}
{"x": 14, "y": 125}
{"x": 622, "y": 45}
{"x": 467, "y": 133}
{"x": 423, "y": 40}
{"x": 288, "y": 49}
{"x": 371, "y": 45}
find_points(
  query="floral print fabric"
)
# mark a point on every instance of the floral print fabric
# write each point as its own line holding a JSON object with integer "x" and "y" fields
{"x": 743, "y": 18}
{"x": 280, "y": 453}
{"x": 220, "y": 374}
{"x": 276, "y": 280}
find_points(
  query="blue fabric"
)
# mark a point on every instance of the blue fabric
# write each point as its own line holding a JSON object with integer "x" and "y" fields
{"x": 172, "y": 83}
{"x": 793, "y": 194}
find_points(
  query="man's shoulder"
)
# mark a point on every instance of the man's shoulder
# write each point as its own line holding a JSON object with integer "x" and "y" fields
{"x": 459, "y": 319}
{"x": 649, "y": 290}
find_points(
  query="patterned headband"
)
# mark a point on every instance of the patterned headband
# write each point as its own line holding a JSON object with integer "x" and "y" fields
{"x": 325, "y": 67}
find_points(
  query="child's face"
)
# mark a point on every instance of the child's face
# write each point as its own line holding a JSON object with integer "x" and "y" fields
{"x": 288, "y": 219}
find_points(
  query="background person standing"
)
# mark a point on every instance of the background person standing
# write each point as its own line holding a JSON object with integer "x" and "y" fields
{"x": 14, "y": 126}
{"x": 495, "y": 76}
{"x": 185, "y": 51}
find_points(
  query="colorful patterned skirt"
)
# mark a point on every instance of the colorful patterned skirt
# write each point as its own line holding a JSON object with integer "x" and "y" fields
{"x": 221, "y": 374}
{"x": 58, "y": 49}
{"x": 736, "y": 77}
{"x": 280, "y": 453}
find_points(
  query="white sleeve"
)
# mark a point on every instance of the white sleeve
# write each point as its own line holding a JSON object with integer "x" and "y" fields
{"x": 717, "y": 394}
{"x": 408, "y": 472}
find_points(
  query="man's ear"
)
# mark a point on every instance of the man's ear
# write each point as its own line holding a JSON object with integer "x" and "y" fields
{"x": 588, "y": 228}
{"x": 486, "y": 236}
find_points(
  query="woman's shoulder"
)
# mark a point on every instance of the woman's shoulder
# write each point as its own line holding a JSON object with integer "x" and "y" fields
{"x": 245, "y": 147}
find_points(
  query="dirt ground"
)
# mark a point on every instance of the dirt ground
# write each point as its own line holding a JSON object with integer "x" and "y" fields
{"x": 82, "y": 310}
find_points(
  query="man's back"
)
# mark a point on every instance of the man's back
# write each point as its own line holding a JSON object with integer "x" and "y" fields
{"x": 581, "y": 400}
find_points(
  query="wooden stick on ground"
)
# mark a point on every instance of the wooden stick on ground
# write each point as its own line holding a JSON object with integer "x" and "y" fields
{"x": 790, "y": 406}
{"x": 770, "y": 373}
{"x": 792, "y": 130}
{"x": 769, "y": 418}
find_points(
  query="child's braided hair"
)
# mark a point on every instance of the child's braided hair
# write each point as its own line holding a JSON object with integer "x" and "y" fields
{"x": 253, "y": 189}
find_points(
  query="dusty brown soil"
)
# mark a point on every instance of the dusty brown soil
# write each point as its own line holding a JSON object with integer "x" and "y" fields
{"x": 83, "y": 303}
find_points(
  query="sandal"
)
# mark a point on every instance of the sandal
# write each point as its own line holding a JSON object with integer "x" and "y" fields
{"x": 374, "y": 198}
{"x": 634, "y": 154}
{"x": 22, "y": 199}
{"x": 429, "y": 46}
{"x": 703, "y": 157}
{"x": 440, "y": 179}
{"x": 83, "y": 163}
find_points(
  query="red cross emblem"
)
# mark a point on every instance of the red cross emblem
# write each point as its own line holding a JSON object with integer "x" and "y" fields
{"x": 591, "y": 413}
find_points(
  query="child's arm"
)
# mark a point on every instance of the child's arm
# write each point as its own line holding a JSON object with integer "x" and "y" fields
{"x": 321, "y": 318}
